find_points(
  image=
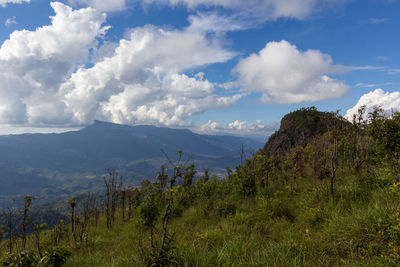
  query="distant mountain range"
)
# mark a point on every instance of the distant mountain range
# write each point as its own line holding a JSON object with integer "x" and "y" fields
{"x": 53, "y": 166}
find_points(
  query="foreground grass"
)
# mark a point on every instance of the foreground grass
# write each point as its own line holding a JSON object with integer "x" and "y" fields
{"x": 296, "y": 223}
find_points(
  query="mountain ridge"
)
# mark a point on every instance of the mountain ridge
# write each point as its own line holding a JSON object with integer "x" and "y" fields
{"x": 60, "y": 160}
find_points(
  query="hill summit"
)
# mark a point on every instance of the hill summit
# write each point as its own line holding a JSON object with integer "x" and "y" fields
{"x": 298, "y": 128}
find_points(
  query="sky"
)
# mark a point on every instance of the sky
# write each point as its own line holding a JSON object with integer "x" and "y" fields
{"x": 212, "y": 66}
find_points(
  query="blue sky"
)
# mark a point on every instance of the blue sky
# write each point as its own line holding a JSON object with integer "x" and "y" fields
{"x": 213, "y": 66}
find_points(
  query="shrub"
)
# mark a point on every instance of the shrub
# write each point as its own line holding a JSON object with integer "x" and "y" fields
{"x": 225, "y": 209}
{"x": 244, "y": 181}
{"x": 167, "y": 256}
{"x": 23, "y": 259}
{"x": 55, "y": 257}
{"x": 281, "y": 206}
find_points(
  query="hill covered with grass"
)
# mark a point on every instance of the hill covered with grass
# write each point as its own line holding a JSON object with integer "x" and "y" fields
{"x": 299, "y": 128}
{"x": 332, "y": 201}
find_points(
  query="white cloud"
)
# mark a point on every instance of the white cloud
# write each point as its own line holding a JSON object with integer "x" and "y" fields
{"x": 378, "y": 20}
{"x": 367, "y": 68}
{"x": 102, "y": 5}
{"x": 393, "y": 71}
{"x": 139, "y": 80}
{"x": 389, "y": 102}
{"x": 382, "y": 58}
{"x": 232, "y": 15}
{"x": 11, "y": 21}
{"x": 33, "y": 64}
{"x": 143, "y": 83}
{"x": 261, "y": 10}
{"x": 283, "y": 74}
{"x": 369, "y": 85}
{"x": 4, "y": 3}
{"x": 388, "y": 70}
{"x": 106, "y": 49}
{"x": 239, "y": 128}
{"x": 213, "y": 22}
{"x": 11, "y": 129}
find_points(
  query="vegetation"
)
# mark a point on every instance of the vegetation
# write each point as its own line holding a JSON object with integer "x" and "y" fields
{"x": 332, "y": 199}
{"x": 55, "y": 167}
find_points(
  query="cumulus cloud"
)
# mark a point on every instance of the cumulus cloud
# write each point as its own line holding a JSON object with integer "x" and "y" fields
{"x": 140, "y": 80}
{"x": 4, "y": 3}
{"x": 283, "y": 74}
{"x": 102, "y": 5}
{"x": 389, "y": 102}
{"x": 143, "y": 78}
{"x": 33, "y": 64}
{"x": 239, "y": 127}
{"x": 143, "y": 81}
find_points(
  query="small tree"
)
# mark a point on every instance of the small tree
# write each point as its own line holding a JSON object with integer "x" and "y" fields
{"x": 10, "y": 214}
{"x": 111, "y": 196}
{"x": 59, "y": 232}
{"x": 161, "y": 199}
{"x": 390, "y": 141}
{"x": 297, "y": 161}
{"x": 38, "y": 230}
{"x": 206, "y": 174}
{"x": 244, "y": 180}
{"x": 133, "y": 200}
{"x": 335, "y": 130}
{"x": 188, "y": 176}
{"x": 1, "y": 232}
{"x": 72, "y": 205}
{"x": 123, "y": 202}
{"x": 25, "y": 218}
{"x": 334, "y": 162}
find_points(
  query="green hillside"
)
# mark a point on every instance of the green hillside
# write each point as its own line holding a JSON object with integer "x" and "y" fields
{"x": 331, "y": 200}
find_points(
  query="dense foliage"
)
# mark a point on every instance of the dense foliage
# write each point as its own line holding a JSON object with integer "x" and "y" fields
{"x": 334, "y": 201}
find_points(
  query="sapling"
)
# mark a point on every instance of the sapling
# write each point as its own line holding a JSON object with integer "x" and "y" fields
{"x": 25, "y": 219}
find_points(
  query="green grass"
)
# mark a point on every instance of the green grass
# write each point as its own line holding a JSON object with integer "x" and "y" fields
{"x": 295, "y": 224}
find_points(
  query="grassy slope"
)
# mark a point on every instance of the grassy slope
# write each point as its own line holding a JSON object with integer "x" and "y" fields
{"x": 300, "y": 225}
{"x": 293, "y": 224}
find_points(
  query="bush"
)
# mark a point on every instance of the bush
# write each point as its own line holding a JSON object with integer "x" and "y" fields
{"x": 167, "y": 256}
{"x": 23, "y": 259}
{"x": 315, "y": 216}
{"x": 281, "y": 206}
{"x": 55, "y": 257}
{"x": 244, "y": 181}
{"x": 225, "y": 209}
